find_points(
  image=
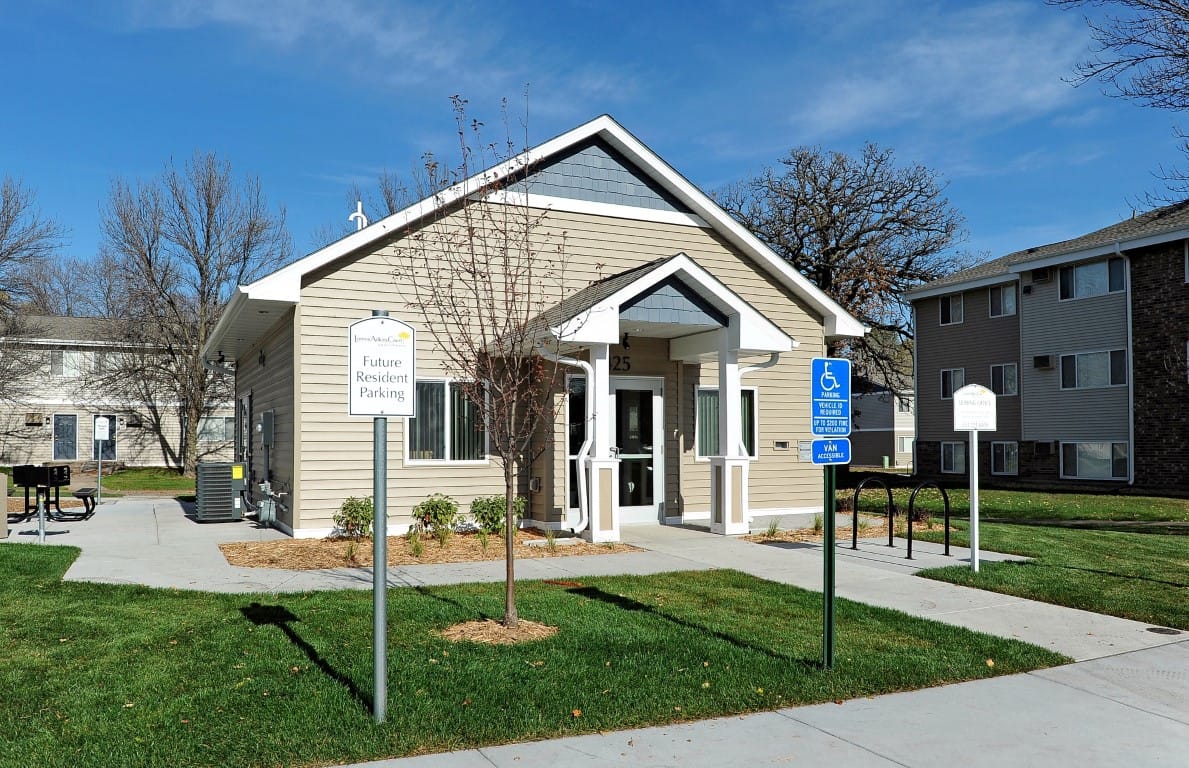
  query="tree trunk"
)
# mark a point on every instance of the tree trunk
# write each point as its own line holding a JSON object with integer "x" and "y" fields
{"x": 510, "y": 617}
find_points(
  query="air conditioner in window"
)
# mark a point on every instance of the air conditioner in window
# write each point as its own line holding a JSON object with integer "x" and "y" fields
{"x": 1041, "y": 275}
{"x": 1042, "y": 448}
{"x": 133, "y": 420}
{"x": 1042, "y": 361}
{"x": 34, "y": 419}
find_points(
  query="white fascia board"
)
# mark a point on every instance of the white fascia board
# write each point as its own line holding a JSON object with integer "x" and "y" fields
{"x": 598, "y": 325}
{"x": 611, "y": 210}
{"x": 235, "y": 306}
{"x": 969, "y": 285}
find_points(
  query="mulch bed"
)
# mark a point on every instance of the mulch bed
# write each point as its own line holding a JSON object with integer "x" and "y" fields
{"x": 312, "y": 554}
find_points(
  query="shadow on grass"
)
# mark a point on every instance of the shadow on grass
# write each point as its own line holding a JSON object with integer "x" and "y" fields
{"x": 281, "y": 617}
{"x": 1099, "y": 571}
{"x": 628, "y": 604}
{"x": 469, "y": 611}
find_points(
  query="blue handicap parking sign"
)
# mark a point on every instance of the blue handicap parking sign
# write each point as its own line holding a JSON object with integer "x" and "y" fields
{"x": 830, "y": 397}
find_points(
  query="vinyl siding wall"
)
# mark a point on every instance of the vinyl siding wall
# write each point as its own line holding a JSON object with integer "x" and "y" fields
{"x": 1054, "y": 327}
{"x": 335, "y": 451}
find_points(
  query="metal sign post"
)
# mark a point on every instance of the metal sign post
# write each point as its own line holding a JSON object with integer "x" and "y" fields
{"x": 829, "y": 418}
{"x": 102, "y": 435}
{"x": 974, "y": 410}
{"x": 381, "y": 383}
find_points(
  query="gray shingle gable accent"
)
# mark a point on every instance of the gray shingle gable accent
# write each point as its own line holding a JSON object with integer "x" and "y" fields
{"x": 595, "y": 172}
{"x": 1168, "y": 219}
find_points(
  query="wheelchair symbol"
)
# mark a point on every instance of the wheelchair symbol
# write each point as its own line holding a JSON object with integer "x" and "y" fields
{"x": 827, "y": 380}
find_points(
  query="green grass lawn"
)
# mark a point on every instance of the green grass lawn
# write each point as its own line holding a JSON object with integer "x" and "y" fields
{"x": 1032, "y": 505}
{"x": 1140, "y": 576}
{"x": 148, "y": 479}
{"x": 102, "y": 675}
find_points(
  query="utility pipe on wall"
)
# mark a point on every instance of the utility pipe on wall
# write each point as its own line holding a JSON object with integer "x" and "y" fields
{"x": 584, "y": 450}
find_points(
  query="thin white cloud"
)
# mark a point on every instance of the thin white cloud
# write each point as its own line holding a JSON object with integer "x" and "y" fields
{"x": 1000, "y": 63}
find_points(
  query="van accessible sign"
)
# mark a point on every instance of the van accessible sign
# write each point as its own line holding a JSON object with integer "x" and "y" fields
{"x": 383, "y": 362}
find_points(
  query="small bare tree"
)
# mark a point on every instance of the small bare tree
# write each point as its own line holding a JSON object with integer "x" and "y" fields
{"x": 480, "y": 272}
{"x": 27, "y": 241}
{"x": 863, "y": 230}
{"x": 175, "y": 249}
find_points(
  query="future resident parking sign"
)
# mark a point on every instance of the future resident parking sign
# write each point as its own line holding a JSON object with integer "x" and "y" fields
{"x": 382, "y": 352}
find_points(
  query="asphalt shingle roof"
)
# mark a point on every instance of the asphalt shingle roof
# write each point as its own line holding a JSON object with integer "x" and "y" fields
{"x": 1169, "y": 218}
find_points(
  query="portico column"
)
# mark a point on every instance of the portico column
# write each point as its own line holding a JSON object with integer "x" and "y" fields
{"x": 604, "y": 465}
{"x": 729, "y": 468}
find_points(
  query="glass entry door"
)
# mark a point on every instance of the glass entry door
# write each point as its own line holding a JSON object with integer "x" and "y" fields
{"x": 638, "y": 437}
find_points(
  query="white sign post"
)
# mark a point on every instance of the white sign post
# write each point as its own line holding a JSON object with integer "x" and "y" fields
{"x": 382, "y": 383}
{"x": 102, "y": 434}
{"x": 974, "y": 411}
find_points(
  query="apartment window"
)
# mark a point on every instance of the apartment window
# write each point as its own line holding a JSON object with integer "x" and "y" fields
{"x": 952, "y": 379}
{"x": 951, "y": 309}
{"x": 1088, "y": 370}
{"x": 103, "y": 362}
{"x": 1096, "y": 279}
{"x": 216, "y": 429}
{"x": 1005, "y": 379}
{"x": 904, "y": 404}
{"x": 1094, "y": 461}
{"x": 708, "y": 421}
{"x": 953, "y": 458}
{"x": 66, "y": 364}
{"x": 903, "y": 444}
{"x": 447, "y": 426}
{"x": 1002, "y": 299}
{"x": 1005, "y": 458}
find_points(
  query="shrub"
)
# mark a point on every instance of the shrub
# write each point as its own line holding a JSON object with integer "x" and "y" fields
{"x": 354, "y": 518}
{"x": 488, "y": 512}
{"x": 437, "y": 514}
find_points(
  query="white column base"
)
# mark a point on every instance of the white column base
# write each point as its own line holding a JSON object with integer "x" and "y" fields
{"x": 604, "y": 511}
{"x": 729, "y": 514}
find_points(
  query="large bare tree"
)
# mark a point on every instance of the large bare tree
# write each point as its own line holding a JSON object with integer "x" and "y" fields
{"x": 27, "y": 241}
{"x": 479, "y": 274}
{"x": 174, "y": 249}
{"x": 863, "y": 230}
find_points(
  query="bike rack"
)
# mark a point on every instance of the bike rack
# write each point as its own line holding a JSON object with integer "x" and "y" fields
{"x": 945, "y": 498}
{"x": 891, "y": 509}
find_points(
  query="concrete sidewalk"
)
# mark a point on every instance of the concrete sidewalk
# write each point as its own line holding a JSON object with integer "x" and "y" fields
{"x": 1126, "y": 704}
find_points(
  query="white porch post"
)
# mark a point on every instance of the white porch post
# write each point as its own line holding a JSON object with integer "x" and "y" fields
{"x": 728, "y": 470}
{"x": 604, "y": 465}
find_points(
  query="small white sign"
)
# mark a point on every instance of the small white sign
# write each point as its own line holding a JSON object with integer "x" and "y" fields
{"x": 974, "y": 409}
{"x": 382, "y": 353}
{"x": 102, "y": 428}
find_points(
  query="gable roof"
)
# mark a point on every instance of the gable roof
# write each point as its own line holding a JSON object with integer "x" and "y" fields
{"x": 256, "y": 307}
{"x": 1170, "y": 222}
{"x": 56, "y": 330}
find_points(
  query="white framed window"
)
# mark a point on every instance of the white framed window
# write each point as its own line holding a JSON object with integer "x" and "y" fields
{"x": 66, "y": 363}
{"x": 1002, "y": 300}
{"x": 216, "y": 429}
{"x": 951, "y": 309}
{"x": 903, "y": 444}
{"x": 903, "y": 404}
{"x": 1097, "y": 278}
{"x": 103, "y": 361}
{"x": 1005, "y": 458}
{"x": 1094, "y": 460}
{"x": 1005, "y": 379}
{"x": 707, "y": 421}
{"x": 952, "y": 379}
{"x": 1090, "y": 370}
{"x": 953, "y": 458}
{"x": 447, "y": 427}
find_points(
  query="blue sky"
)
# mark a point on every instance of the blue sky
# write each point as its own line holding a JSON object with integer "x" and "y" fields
{"x": 312, "y": 96}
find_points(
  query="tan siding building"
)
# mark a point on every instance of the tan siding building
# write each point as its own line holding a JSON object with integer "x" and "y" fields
{"x": 664, "y": 302}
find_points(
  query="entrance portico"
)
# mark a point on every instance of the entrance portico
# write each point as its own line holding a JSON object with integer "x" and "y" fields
{"x": 619, "y": 465}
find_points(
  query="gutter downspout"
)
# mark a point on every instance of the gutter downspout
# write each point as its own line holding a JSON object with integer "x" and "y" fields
{"x": 1130, "y": 374}
{"x": 584, "y": 450}
{"x": 773, "y": 359}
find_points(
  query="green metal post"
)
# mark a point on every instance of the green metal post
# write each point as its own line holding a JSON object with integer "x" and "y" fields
{"x": 828, "y": 512}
